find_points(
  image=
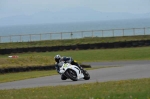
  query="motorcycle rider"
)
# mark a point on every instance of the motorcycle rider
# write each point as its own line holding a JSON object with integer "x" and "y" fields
{"x": 58, "y": 59}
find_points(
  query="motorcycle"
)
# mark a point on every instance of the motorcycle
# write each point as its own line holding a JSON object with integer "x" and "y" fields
{"x": 73, "y": 72}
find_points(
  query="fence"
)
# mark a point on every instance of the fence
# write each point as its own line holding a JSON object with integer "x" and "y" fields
{"x": 75, "y": 35}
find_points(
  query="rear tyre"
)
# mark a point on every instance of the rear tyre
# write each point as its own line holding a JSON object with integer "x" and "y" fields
{"x": 86, "y": 75}
{"x": 71, "y": 74}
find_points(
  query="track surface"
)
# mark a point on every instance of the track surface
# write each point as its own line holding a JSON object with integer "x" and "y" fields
{"x": 126, "y": 70}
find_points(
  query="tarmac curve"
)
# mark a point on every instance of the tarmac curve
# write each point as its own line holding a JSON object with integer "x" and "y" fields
{"x": 120, "y": 70}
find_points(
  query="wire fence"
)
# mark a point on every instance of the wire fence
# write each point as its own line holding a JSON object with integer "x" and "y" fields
{"x": 76, "y": 35}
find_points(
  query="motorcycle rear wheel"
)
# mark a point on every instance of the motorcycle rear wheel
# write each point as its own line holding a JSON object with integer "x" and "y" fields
{"x": 86, "y": 75}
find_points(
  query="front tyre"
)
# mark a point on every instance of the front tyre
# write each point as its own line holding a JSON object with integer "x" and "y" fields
{"x": 86, "y": 75}
{"x": 71, "y": 74}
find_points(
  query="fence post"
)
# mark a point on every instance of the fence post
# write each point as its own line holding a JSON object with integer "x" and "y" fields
{"x": 30, "y": 37}
{"x": 10, "y": 38}
{"x": 123, "y": 31}
{"x": 144, "y": 32}
{"x": 82, "y": 33}
{"x": 113, "y": 32}
{"x": 92, "y": 34}
{"x": 71, "y": 34}
{"x": 50, "y": 36}
{"x": 40, "y": 37}
{"x": 61, "y": 35}
{"x": 102, "y": 33}
{"x": 134, "y": 31}
{"x": 20, "y": 38}
{"x": 0, "y": 39}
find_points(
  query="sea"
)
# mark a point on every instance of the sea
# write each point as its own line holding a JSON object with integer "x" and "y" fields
{"x": 51, "y": 31}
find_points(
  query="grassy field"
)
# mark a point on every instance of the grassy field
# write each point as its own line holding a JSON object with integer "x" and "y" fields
{"x": 124, "y": 89}
{"x": 72, "y": 41}
{"x": 46, "y": 58}
{"x": 25, "y": 75}
{"x": 28, "y": 59}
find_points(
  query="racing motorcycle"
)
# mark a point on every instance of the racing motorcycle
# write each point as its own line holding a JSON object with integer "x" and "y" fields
{"x": 73, "y": 72}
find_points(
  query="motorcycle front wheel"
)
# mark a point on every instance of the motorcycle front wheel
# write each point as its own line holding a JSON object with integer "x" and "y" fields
{"x": 71, "y": 74}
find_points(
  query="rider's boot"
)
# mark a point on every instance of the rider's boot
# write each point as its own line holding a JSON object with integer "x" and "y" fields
{"x": 82, "y": 70}
{"x": 63, "y": 77}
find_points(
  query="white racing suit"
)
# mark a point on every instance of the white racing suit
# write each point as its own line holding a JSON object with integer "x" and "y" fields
{"x": 66, "y": 60}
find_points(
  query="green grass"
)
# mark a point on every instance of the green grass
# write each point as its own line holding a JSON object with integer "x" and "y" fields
{"x": 125, "y": 89}
{"x": 25, "y": 75}
{"x": 72, "y": 41}
{"x": 25, "y": 60}
{"x": 47, "y": 58}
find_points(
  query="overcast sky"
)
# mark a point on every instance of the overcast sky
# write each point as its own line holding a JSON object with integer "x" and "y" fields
{"x": 15, "y": 12}
{"x": 29, "y": 7}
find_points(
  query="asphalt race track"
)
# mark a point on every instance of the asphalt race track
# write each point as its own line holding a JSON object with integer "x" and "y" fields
{"x": 121, "y": 70}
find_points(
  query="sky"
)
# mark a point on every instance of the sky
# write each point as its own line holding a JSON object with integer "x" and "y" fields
{"x": 10, "y": 8}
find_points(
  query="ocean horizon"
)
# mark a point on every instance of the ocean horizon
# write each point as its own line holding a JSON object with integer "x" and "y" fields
{"x": 71, "y": 27}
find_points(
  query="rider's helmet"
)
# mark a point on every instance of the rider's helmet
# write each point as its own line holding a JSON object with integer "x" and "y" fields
{"x": 57, "y": 58}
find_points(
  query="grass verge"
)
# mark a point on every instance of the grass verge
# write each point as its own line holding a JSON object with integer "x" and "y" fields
{"x": 88, "y": 40}
{"x": 124, "y": 89}
{"x": 25, "y": 75}
{"x": 47, "y": 58}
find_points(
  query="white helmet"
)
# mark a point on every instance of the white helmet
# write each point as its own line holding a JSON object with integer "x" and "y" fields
{"x": 57, "y": 58}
